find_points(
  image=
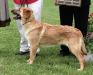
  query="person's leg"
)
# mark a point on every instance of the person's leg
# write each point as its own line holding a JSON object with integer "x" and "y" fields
{"x": 2, "y": 10}
{"x": 23, "y": 43}
{"x": 36, "y": 7}
{"x": 4, "y": 13}
{"x": 66, "y": 18}
{"x": 66, "y": 15}
{"x": 81, "y": 19}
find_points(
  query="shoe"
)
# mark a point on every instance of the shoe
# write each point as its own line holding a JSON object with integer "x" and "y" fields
{"x": 22, "y": 53}
{"x": 64, "y": 53}
{"x": 38, "y": 50}
{"x": 37, "y": 54}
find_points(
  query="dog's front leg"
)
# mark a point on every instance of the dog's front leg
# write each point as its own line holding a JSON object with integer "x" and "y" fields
{"x": 33, "y": 50}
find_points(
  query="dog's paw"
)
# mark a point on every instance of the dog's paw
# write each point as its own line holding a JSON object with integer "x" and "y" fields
{"x": 29, "y": 61}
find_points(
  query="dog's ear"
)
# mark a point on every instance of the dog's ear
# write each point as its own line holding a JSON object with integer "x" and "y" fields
{"x": 27, "y": 13}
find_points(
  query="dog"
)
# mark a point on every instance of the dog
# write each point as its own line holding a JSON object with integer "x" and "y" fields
{"x": 39, "y": 34}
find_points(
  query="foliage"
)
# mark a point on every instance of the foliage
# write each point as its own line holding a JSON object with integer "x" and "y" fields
{"x": 90, "y": 22}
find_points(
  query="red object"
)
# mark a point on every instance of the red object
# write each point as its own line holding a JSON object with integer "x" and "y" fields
{"x": 24, "y": 1}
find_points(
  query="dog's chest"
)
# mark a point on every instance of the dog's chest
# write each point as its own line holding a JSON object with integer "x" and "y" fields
{"x": 26, "y": 34}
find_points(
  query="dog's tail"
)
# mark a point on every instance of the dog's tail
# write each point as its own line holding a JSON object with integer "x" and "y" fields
{"x": 83, "y": 48}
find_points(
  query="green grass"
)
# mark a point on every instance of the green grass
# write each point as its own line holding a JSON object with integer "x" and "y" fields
{"x": 48, "y": 62}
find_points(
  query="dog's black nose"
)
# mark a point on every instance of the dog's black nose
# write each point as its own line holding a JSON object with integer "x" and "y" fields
{"x": 17, "y": 17}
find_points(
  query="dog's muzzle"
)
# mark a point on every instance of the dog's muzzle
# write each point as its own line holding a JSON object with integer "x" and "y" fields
{"x": 16, "y": 13}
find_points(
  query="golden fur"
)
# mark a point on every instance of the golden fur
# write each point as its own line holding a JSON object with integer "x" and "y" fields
{"x": 46, "y": 34}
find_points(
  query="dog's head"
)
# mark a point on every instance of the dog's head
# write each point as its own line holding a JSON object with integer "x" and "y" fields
{"x": 22, "y": 13}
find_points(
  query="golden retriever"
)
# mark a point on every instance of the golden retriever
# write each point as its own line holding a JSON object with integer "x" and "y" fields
{"x": 46, "y": 34}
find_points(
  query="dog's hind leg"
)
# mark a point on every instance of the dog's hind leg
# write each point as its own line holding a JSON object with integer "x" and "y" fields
{"x": 80, "y": 57}
{"x": 75, "y": 50}
{"x": 83, "y": 48}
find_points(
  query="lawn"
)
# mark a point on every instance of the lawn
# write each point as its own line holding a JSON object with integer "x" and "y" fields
{"x": 48, "y": 62}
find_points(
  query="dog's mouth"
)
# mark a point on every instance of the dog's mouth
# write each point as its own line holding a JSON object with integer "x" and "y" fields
{"x": 17, "y": 14}
{"x": 16, "y": 17}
